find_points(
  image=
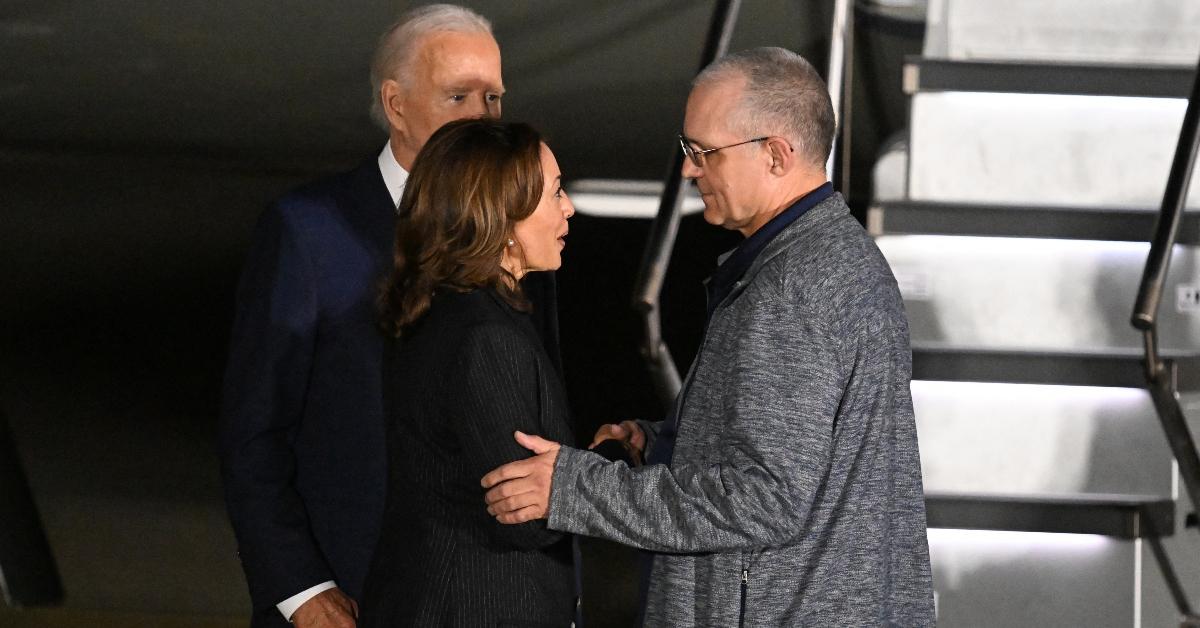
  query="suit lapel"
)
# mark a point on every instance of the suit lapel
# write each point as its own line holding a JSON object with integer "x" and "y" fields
{"x": 371, "y": 210}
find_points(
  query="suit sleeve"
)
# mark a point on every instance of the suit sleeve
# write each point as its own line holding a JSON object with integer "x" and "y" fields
{"x": 650, "y": 429}
{"x": 265, "y": 383}
{"x": 756, "y": 488}
{"x": 500, "y": 394}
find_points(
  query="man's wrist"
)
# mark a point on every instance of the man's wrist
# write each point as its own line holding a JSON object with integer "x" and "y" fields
{"x": 289, "y": 606}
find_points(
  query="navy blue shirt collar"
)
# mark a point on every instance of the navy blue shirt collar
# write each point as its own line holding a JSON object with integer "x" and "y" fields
{"x": 740, "y": 259}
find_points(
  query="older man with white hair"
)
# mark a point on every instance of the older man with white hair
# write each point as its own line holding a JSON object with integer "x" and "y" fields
{"x": 302, "y": 434}
{"x": 785, "y": 488}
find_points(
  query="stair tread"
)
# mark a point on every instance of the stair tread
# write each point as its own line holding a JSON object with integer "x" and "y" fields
{"x": 1125, "y": 224}
{"x": 1114, "y": 354}
{"x": 1115, "y": 515}
{"x": 1094, "y": 79}
{"x": 1107, "y": 367}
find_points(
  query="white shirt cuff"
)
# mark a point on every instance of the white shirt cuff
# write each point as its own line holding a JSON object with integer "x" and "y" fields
{"x": 289, "y": 606}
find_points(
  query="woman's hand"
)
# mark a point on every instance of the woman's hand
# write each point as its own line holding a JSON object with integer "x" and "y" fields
{"x": 628, "y": 433}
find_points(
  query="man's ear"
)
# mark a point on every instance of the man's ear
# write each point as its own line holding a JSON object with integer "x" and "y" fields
{"x": 391, "y": 96}
{"x": 783, "y": 156}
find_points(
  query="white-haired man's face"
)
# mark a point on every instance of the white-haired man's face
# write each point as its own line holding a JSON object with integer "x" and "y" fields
{"x": 452, "y": 76}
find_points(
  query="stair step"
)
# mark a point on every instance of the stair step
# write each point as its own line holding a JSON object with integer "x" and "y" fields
{"x": 1096, "y": 31}
{"x": 1030, "y": 439}
{"x": 1119, "y": 368}
{"x": 1120, "y": 516}
{"x": 1021, "y": 221}
{"x": 1047, "y": 294}
{"x": 923, "y": 74}
{"x": 1042, "y": 149}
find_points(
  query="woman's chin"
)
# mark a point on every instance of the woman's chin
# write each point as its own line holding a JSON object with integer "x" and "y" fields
{"x": 553, "y": 258}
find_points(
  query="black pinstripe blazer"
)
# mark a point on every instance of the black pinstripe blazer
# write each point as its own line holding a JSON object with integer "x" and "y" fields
{"x": 456, "y": 386}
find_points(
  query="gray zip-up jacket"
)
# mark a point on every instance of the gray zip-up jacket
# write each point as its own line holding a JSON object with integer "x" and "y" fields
{"x": 794, "y": 494}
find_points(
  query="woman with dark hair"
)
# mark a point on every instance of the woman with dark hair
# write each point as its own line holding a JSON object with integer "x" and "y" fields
{"x": 483, "y": 205}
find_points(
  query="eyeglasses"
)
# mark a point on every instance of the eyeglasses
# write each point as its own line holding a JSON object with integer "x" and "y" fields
{"x": 697, "y": 156}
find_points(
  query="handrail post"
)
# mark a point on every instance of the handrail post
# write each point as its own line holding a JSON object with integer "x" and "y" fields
{"x": 657, "y": 255}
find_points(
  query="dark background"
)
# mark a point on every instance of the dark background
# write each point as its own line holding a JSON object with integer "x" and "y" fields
{"x": 138, "y": 143}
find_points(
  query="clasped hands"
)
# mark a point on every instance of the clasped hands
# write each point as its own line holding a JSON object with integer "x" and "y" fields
{"x": 520, "y": 491}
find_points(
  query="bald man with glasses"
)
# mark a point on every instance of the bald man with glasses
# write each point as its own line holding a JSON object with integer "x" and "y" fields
{"x": 784, "y": 489}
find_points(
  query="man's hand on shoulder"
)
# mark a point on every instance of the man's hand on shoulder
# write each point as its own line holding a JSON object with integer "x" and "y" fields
{"x": 520, "y": 491}
{"x": 331, "y": 608}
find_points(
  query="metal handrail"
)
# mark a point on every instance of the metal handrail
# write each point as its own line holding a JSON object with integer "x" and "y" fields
{"x": 1166, "y": 228}
{"x": 653, "y": 268}
{"x": 839, "y": 51}
{"x": 1161, "y": 376}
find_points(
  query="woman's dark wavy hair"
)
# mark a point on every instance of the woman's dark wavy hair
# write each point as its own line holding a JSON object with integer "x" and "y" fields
{"x": 472, "y": 181}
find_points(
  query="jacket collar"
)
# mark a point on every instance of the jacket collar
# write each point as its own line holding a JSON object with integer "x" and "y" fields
{"x": 824, "y": 211}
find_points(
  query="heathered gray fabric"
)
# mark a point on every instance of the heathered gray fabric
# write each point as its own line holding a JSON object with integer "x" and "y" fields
{"x": 796, "y": 458}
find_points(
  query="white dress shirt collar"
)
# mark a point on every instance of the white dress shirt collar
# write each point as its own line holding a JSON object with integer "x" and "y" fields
{"x": 394, "y": 176}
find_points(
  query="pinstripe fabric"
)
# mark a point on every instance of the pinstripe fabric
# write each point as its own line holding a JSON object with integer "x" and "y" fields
{"x": 455, "y": 389}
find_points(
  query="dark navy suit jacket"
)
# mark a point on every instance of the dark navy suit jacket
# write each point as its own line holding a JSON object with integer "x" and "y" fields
{"x": 302, "y": 437}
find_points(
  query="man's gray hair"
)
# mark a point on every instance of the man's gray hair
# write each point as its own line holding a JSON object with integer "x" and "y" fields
{"x": 784, "y": 95}
{"x": 398, "y": 45}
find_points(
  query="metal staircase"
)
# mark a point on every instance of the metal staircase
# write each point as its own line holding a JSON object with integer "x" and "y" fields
{"x": 1017, "y": 214}
{"x": 1016, "y": 217}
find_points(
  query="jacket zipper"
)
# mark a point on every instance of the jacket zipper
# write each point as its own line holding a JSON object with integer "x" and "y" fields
{"x": 745, "y": 585}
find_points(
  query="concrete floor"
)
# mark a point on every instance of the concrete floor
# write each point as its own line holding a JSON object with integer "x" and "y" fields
{"x": 68, "y": 618}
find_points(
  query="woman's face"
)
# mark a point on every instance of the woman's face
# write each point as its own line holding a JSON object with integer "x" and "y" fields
{"x": 540, "y": 237}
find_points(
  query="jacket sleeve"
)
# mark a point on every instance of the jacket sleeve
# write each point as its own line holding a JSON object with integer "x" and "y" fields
{"x": 650, "y": 430}
{"x": 263, "y": 397}
{"x": 755, "y": 489}
{"x": 500, "y": 394}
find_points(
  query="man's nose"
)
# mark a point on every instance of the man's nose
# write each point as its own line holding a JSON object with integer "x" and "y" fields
{"x": 690, "y": 170}
{"x": 481, "y": 108}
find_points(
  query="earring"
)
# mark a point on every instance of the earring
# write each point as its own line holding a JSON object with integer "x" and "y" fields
{"x": 511, "y": 242}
